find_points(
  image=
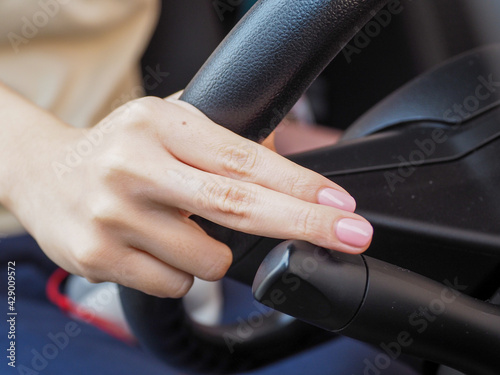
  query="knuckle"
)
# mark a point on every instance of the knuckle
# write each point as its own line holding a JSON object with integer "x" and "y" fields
{"x": 308, "y": 223}
{"x": 86, "y": 260}
{"x": 88, "y": 263}
{"x": 180, "y": 287}
{"x": 219, "y": 268}
{"x": 117, "y": 172}
{"x": 104, "y": 212}
{"x": 238, "y": 161}
{"x": 145, "y": 105}
{"x": 294, "y": 182}
{"x": 112, "y": 164}
{"x": 227, "y": 198}
{"x": 139, "y": 112}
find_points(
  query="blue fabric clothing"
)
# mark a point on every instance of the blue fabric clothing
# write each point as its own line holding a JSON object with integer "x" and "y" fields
{"x": 49, "y": 342}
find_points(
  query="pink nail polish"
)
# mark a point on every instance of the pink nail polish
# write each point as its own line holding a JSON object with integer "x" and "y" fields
{"x": 337, "y": 199}
{"x": 354, "y": 232}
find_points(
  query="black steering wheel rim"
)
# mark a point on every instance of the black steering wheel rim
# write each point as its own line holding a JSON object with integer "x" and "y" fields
{"x": 248, "y": 85}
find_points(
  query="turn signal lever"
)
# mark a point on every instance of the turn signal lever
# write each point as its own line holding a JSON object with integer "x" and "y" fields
{"x": 377, "y": 302}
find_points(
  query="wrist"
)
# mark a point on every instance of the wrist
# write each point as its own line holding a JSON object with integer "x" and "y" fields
{"x": 29, "y": 137}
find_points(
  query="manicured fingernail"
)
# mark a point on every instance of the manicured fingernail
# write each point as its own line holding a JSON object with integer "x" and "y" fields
{"x": 337, "y": 199}
{"x": 353, "y": 232}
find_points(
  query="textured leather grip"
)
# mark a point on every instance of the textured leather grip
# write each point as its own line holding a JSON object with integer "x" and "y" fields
{"x": 270, "y": 58}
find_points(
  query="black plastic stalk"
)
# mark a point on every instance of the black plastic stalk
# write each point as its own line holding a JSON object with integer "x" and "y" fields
{"x": 376, "y": 302}
{"x": 296, "y": 277}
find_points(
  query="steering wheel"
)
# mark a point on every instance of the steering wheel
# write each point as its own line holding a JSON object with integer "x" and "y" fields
{"x": 248, "y": 85}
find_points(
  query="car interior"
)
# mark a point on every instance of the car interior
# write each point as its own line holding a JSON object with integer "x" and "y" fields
{"x": 414, "y": 89}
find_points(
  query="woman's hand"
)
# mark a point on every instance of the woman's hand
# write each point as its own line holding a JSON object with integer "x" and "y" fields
{"x": 112, "y": 203}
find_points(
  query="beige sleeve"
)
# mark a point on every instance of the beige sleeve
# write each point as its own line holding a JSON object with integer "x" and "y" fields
{"x": 77, "y": 58}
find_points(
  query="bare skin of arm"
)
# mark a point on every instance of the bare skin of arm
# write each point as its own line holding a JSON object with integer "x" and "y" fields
{"x": 121, "y": 212}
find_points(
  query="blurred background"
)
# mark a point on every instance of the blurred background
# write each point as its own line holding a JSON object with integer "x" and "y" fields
{"x": 409, "y": 37}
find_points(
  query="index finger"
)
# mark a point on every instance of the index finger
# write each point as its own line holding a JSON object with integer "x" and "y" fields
{"x": 222, "y": 152}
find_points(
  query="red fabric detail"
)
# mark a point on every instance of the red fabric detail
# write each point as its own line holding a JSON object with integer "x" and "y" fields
{"x": 69, "y": 307}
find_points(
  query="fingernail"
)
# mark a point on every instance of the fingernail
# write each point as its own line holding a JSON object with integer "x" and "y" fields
{"x": 337, "y": 199}
{"x": 353, "y": 232}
